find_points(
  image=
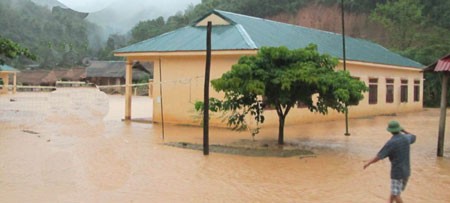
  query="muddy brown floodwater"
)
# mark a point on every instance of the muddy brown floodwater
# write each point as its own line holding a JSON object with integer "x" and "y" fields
{"x": 53, "y": 149}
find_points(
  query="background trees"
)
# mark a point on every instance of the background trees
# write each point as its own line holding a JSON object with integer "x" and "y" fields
{"x": 418, "y": 29}
{"x": 11, "y": 50}
{"x": 284, "y": 78}
{"x": 58, "y": 37}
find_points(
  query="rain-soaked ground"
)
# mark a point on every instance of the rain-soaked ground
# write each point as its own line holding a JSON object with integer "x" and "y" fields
{"x": 58, "y": 148}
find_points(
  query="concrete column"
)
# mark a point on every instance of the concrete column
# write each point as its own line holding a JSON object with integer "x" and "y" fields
{"x": 128, "y": 89}
{"x": 6, "y": 84}
{"x": 15, "y": 83}
{"x": 118, "y": 88}
{"x": 150, "y": 88}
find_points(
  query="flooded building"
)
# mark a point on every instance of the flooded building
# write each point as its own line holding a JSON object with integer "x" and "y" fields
{"x": 395, "y": 82}
{"x": 5, "y": 73}
{"x": 112, "y": 73}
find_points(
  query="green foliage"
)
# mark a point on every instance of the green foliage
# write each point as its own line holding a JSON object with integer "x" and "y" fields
{"x": 284, "y": 77}
{"x": 58, "y": 37}
{"x": 114, "y": 42}
{"x": 148, "y": 29}
{"x": 420, "y": 30}
{"x": 402, "y": 18}
{"x": 11, "y": 50}
{"x": 438, "y": 12}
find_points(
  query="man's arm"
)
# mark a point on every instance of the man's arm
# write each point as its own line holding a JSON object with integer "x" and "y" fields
{"x": 411, "y": 137}
{"x": 373, "y": 160}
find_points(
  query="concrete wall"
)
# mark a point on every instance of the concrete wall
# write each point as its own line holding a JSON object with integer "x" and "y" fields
{"x": 5, "y": 78}
{"x": 183, "y": 81}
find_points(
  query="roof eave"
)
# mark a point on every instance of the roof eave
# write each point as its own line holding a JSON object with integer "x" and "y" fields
{"x": 379, "y": 65}
{"x": 431, "y": 67}
{"x": 186, "y": 53}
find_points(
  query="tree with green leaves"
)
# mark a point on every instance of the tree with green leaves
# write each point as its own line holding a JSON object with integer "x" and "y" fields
{"x": 11, "y": 50}
{"x": 403, "y": 19}
{"x": 148, "y": 29}
{"x": 59, "y": 37}
{"x": 284, "y": 77}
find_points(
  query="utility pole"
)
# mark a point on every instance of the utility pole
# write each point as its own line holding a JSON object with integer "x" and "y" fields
{"x": 440, "y": 147}
{"x": 206, "y": 94}
{"x": 344, "y": 63}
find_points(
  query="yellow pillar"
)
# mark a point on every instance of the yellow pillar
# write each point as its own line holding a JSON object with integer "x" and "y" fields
{"x": 15, "y": 83}
{"x": 128, "y": 89}
{"x": 6, "y": 83}
{"x": 150, "y": 88}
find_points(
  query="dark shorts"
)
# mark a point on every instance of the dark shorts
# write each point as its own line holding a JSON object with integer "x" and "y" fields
{"x": 398, "y": 185}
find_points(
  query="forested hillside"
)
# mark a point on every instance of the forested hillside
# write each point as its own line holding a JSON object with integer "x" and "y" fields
{"x": 418, "y": 29}
{"x": 58, "y": 37}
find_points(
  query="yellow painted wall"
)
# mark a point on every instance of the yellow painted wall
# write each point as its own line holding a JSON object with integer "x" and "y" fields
{"x": 5, "y": 77}
{"x": 215, "y": 20}
{"x": 183, "y": 82}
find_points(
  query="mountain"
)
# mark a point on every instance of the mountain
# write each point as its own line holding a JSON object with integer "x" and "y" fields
{"x": 122, "y": 15}
{"x": 49, "y": 3}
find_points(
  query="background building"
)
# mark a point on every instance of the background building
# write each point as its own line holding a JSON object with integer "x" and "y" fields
{"x": 395, "y": 82}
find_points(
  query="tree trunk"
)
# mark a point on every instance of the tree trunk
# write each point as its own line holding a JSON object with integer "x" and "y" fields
{"x": 281, "y": 130}
{"x": 281, "y": 119}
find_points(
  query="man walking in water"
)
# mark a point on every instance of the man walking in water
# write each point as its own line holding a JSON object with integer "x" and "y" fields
{"x": 397, "y": 149}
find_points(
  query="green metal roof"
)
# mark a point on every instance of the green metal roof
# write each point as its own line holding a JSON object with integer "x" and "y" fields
{"x": 8, "y": 68}
{"x": 250, "y": 33}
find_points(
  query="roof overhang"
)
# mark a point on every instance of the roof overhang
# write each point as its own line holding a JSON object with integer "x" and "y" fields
{"x": 377, "y": 65}
{"x": 248, "y": 52}
{"x": 186, "y": 53}
{"x": 441, "y": 65}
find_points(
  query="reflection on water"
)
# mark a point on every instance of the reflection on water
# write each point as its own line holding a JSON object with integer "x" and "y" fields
{"x": 68, "y": 159}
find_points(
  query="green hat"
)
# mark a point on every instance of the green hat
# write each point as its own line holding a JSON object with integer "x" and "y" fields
{"x": 394, "y": 127}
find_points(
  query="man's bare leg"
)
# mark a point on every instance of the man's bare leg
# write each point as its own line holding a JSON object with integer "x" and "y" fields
{"x": 395, "y": 198}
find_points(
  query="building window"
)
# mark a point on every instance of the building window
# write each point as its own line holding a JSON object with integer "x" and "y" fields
{"x": 389, "y": 90}
{"x": 265, "y": 104}
{"x": 416, "y": 90}
{"x": 301, "y": 105}
{"x": 404, "y": 91}
{"x": 373, "y": 90}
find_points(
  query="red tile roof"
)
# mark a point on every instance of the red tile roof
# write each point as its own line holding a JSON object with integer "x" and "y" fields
{"x": 443, "y": 65}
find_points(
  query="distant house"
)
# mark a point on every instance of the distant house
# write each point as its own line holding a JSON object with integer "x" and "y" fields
{"x": 36, "y": 78}
{"x": 75, "y": 74}
{"x": 395, "y": 82}
{"x": 42, "y": 77}
{"x": 5, "y": 72}
{"x": 113, "y": 72}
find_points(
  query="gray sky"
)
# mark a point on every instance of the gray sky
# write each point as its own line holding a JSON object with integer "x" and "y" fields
{"x": 87, "y": 6}
{"x": 90, "y": 6}
{"x": 119, "y": 16}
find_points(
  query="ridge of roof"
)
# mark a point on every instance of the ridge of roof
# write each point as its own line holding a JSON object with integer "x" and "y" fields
{"x": 214, "y": 11}
{"x": 246, "y": 36}
{"x": 272, "y": 21}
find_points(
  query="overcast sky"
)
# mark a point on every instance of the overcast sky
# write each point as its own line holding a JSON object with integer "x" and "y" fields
{"x": 119, "y": 16}
{"x": 90, "y": 6}
{"x": 87, "y": 6}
